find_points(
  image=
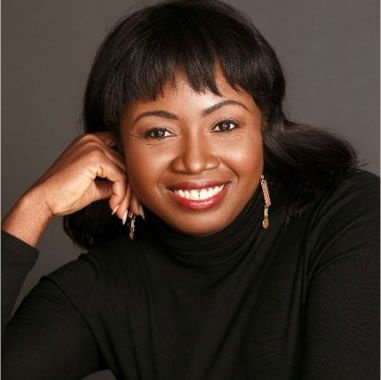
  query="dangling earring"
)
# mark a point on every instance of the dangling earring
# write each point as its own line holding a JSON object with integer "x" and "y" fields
{"x": 132, "y": 226}
{"x": 266, "y": 196}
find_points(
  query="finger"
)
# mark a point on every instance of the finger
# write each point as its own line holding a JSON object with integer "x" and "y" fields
{"x": 124, "y": 204}
{"x": 102, "y": 138}
{"x": 135, "y": 204}
{"x": 108, "y": 151}
{"x": 97, "y": 151}
{"x": 116, "y": 158}
{"x": 108, "y": 170}
{"x": 106, "y": 138}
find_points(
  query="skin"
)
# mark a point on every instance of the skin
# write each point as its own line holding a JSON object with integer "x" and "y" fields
{"x": 87, "y": 171}
{"x": 223, "y": 145}
{"x": 193, "y": 146}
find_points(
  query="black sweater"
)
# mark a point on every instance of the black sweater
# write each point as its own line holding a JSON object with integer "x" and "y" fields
{"x": 299, "y": 300}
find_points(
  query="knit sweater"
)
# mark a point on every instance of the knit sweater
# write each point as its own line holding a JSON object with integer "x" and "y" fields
{"x": 299, "y": 300}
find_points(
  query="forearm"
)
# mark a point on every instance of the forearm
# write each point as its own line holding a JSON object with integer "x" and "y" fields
{"x": 48, "y": 339}
{"x": 28, "y": 218}
{"x": 17, "y": 259}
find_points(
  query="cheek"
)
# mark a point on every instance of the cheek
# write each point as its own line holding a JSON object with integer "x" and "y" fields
{"x": 244, "y": 156}
{"x": 145, "y": 165}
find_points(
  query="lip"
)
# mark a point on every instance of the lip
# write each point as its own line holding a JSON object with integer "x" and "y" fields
{"x": 201, "y": 204}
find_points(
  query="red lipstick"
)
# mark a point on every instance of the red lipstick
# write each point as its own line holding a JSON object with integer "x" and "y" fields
{"x": 200, "y": 204}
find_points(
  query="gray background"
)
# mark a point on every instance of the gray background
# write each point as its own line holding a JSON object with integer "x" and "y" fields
{"x": 329, "y": 50}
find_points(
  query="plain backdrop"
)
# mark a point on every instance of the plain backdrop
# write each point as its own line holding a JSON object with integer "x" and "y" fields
{"x": 329, "y": 50}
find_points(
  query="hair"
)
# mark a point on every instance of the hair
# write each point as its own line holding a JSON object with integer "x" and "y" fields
{"x": 148, "y": 47}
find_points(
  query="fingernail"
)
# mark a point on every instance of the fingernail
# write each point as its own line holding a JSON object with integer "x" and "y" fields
{"x": 141, "y": 211}
{"x": 115, "y": 210}
{"x": 130, "y": 214}
{"x": 124, "y": 217}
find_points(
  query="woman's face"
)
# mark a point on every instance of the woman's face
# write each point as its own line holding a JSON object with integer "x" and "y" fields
{"x": 194, "y": 159}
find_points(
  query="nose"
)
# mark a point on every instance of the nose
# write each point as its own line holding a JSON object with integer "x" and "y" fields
{"x": 195, "y": 156}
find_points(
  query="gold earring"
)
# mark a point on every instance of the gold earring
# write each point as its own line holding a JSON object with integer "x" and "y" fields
{"x": 132, "y": 226}
{"x": 266, "y": 196}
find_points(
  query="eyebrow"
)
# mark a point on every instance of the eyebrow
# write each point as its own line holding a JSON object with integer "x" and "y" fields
{"x": 205, "y": 112}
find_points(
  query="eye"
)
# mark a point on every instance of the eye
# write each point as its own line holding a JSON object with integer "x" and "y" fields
{"x": 226, "y": 126}
{"x": 157, "y": 133}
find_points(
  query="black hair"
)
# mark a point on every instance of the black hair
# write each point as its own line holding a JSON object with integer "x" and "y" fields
{"x": 145, "y": 50}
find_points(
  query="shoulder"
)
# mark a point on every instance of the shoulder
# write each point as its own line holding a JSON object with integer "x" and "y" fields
{"x": 359, "y": 183}
{"x": 101, "y": 270}
{"x": 345, "y": 221}
{"x": 356, "y": 195}
{"x": 94, "y": 264}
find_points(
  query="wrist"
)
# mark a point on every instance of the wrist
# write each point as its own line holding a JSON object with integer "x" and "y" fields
{"x": 28, "y": 218}
{"x": 34, "y": 201}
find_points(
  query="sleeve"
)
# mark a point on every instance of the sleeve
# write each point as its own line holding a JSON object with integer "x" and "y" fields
{"x": 47, "y": 338}
{"x": 17, "y": 259}
{"x": 341, "y": 338}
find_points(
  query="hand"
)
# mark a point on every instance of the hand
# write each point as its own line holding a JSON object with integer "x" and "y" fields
{"x": 87, "y": 171}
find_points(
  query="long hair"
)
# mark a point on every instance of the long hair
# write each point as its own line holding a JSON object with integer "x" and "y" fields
{"x": 145, "y": 50}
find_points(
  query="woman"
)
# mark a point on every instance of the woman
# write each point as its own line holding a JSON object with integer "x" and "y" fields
{"x": 251, "y": 248}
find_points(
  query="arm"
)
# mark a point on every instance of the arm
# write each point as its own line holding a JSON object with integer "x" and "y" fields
{"x": 21, "y": 230}
{"x": 17, "y": 259}
{"x": 67, "y": 186}
{"x": 28, "y": 218}
{"x": 47, "y": 338}
{"x": 341, "y": 338}
{"x": 342, "y": 319}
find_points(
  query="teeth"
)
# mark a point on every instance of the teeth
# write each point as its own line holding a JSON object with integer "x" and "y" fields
{"x": 204, "y": 194}
{"x": 199, "y": 195}
{"x": 195, "y": 195}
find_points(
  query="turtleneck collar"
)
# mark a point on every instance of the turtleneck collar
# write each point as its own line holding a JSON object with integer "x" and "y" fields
{"x": 223, "y": 247}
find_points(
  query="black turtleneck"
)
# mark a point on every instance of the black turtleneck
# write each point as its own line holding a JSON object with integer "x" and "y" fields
{"x": 221, "y": 249}
{"x": 299, "y": 300}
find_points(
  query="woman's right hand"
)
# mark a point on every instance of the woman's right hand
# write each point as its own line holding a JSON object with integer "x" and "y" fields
{"x": 87, "y": 171}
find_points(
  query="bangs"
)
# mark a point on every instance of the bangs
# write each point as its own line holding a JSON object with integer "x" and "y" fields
{"x": 151, "y": 46}
{"x": 192, "y": 42}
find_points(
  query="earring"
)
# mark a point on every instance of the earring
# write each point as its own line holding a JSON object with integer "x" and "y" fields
{"x": 132, "y": 226}
{"x": 266, "y": 196}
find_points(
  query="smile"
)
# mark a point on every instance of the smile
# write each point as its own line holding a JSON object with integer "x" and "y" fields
{"x": 199, "y": 194}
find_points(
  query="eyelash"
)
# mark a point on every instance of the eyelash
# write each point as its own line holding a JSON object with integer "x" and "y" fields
{"x": 235, "y": 123}
{"x": 149, "y": 134}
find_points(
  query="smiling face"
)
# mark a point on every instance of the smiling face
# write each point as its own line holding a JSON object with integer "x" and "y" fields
{"x": 194, "y": 159}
